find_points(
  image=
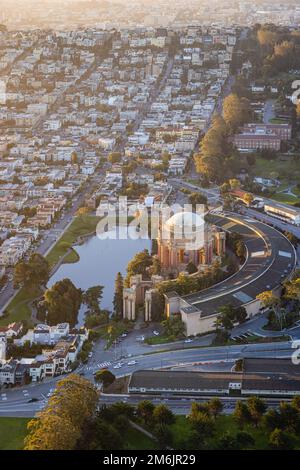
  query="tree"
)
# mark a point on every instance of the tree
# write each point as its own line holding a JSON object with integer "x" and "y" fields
{"x": 197, "y": 198}
{"x": 51, "y": 433}
{"x": 173, "y": 326}
{"x": 215, "y": 406}
{"x": 235, "y": 111}
{"x": 34, "y": 272}
{"x": 280, "y": 440}
{"x": 138, "y": 265}
{"x": 163, "y": 415}
{"x": 203, "y": 424}
{"x": 107, "y": 437}
{"x": 163, "y": 436}
{"x": 272, "y": 420}
{"x": 156, "y": 266}
{"x": 115, "y": 157}
{"x": 248, "y": 198}
{"x": 118, "y": 296}
{"x": 105, "y": 377}
{"x": 62, "y": 302}
{"x": 83, "y": 211}
{"x": 241, "y": 414}
{"x": 296, "y": 402}
{"x": 267, "y": 37}
{"x": 240, "y": 250}
{"x": 92, "y": 298}
{"x": 59, "y": 425}
{"x": 157, "y": 306}
{"x": 269, "y": 300}
{"x": 244, "y": 440}
{"x": 289, "y": 416}
{"x": 191, "y": 268}
{"x": 257, "y": 408}
{"x": 227, "y": 442}
{"x": 145, "y": 410}
{"x": 292, "y": 289}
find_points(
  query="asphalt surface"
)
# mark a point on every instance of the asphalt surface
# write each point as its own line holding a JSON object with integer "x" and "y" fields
{"x": 271, "y": 258}
{"x": 15, "y": 402}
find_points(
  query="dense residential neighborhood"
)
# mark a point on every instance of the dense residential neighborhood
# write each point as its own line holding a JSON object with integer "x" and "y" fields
{"x": 149, "y": 226}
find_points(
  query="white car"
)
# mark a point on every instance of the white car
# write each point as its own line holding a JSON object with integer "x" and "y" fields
{"x": 132, "y": 363}
{"x": 188, "y": 340}
{"x": 118, "y": 366}
{"x": 156, "y": 333}
{"x": 140, "y": 338}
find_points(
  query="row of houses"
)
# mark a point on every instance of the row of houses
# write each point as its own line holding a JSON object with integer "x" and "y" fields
{"x": 61, "y": 346}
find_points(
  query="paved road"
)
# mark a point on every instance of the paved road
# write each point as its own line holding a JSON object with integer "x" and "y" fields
{"x": 14, "y": 402}
{"x": 270, "y": 259}
{"x": 272, "y": 220}
{"x": 269, "y": 111}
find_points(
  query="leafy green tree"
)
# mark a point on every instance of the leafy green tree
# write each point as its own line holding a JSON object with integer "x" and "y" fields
{"x": 257, "y": 408}
{"x": 118, "y": 296}
{"x": 107, "y": 437}
{"x": 61, "y": 422}
{"x": 156, "y": 266}
{"x": 35, "y": 272}
{"x": 157, "y": 306}
{"x": 215, "y": 406}
{"x": 92, "y": 298}
{"x": 105, "y": 377}
{"x": 235, "y": 111}
{"x": 138, "y": 265}
{"x": 145, "y": 410}
{"x": 289, "y": 416}
{"x": 227, "y": 442}
{"x": 241, "y": 414}
{"x": 244, "y": 440}
{"x": 191, "y": 268}
{"x": 296, "y": 402}
{"x": 62, "y": 302}
{"x": 280, "y": 440}
{"x": 163, "y": 435}
{"x": 202, "y": 423}
{"x": 173, "y": 326}
{"x": 163, "y": 415}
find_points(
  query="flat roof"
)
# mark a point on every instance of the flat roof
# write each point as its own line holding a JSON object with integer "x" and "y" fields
{"x": 265, "y": 375}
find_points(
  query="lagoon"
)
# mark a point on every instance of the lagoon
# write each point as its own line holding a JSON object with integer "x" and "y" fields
{"x": 100, "y": 261}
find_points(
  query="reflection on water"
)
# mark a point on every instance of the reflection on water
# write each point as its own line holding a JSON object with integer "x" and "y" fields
{"x": 100, "y": 261}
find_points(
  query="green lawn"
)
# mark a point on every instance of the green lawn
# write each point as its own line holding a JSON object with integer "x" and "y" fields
{"x": 286, "y": 168}
{"x": 19, "y": 309}
{"x": 81, "y": 226}
{"x": 160, "y": 339}
{"x": 12, "y": 433}
{"x": 136, "y": 440}
{"x": 224, "y": 423}
{"x": 285, "y": 198}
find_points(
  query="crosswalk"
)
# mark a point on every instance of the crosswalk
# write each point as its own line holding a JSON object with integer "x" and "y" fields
{"x": 102, "y": 365}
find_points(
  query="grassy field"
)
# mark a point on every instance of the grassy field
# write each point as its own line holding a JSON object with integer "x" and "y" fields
{"x": 14, "y": 430}
{"x": 160, "y": 339}
{"x": 224, "y": 423}
{"x": 286, "y": 168}
{"x": 12, "y": 433}
{"x": 81, "y": 226}
{"x": 135, "y": 440}
{"x": 19, "y": 308}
